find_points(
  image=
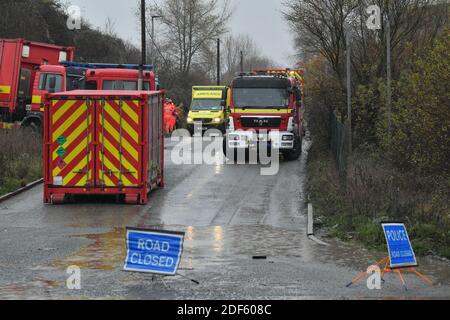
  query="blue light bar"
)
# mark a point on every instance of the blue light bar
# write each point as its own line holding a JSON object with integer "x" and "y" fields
{"x": 106, "y": 66}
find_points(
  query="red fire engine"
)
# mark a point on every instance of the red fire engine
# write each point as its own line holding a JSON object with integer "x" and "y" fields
{"x": 90, "y": 76}
{"x": 267, "y": 106}
{"x": 19, "y": 61}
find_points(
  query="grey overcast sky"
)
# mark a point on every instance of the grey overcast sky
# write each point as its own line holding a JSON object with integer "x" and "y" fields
{"x": 260, "y": 19}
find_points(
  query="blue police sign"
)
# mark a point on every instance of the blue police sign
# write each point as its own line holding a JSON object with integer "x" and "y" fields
{"x": 401, "y": 252}
{"x": 153, "y": 251}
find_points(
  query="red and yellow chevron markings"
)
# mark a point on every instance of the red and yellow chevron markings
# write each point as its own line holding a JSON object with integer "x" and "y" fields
{"x": 72, "y": 135}
{"x": 118, "y": 152}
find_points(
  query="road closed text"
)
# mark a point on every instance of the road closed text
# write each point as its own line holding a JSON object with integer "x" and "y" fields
{"x": 156, "y": 260}
{"x": 153, "y": 251}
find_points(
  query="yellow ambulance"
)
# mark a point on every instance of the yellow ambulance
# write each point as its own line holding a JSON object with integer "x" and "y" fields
{"x": 209, "y": 108}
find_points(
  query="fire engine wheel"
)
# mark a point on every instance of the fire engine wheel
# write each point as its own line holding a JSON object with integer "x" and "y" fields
{"x": 295, "y": 153}
{"x": 33, "y": 127}
{"x": 132, "y": 199}
{"x": 58, "y": 198}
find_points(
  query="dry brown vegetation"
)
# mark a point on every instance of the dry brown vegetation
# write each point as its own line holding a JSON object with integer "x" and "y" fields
{"x": 21, "y": 160}
{"x": 400, "y": 174}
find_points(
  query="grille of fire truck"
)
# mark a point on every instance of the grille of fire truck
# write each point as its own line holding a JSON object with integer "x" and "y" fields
{"x": 255, "y": 122}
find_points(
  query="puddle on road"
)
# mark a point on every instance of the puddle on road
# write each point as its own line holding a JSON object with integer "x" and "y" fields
{"x": 203, "y": 245}
{"x": 18, "y": 290}
{"x": 107, "y": 251}
{"x": 211, "y": 247}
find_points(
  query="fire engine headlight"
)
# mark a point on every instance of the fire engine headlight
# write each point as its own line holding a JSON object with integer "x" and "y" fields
{"x": 217, "y": 120}
{"x": 190, "y": 120}
{"x": 288, "y": 138}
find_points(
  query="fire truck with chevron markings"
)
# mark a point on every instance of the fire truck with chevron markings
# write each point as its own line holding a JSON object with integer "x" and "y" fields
{"x": 103, "y": 142}
{"x": 267, "y": 106}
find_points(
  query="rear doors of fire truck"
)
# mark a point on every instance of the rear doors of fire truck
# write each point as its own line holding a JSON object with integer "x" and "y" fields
{"x": 69, "y": 136}
{"x": 95, "y": 143}
{"x": 119, "y": 151}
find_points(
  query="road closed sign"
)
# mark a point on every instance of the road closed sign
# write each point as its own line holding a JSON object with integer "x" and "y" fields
{"x": 153, "y": 251}
{"x": 401, "y": 252}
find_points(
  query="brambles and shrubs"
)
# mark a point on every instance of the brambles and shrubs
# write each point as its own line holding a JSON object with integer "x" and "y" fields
{"x": 21, "y": 159}
{"x": 400, "y": 174}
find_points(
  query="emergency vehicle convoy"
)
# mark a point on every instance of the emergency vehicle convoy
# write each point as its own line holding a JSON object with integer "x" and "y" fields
{"x": 209, "y": 108}
{"x": 103, "y": 137}
{"x": 267, "y": 106}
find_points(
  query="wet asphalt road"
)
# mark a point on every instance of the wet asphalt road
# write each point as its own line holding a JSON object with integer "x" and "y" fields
{"x": 230, "y": 213}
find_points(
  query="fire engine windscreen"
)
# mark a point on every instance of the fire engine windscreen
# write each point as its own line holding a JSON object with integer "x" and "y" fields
{"x": 50, "y": 82}
{"x": 260, "y": 98}
{"x": 206, "y": 105}
{"x": 261, "y": 93}
{"x": 123, "y": 85}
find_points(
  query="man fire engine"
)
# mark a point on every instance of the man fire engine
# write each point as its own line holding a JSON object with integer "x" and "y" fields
{"x": 267, "y": 106}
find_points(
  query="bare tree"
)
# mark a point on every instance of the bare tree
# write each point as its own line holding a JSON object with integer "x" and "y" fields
{"x": 233, "y": 46}
{"x": 189, "y": 26}
{"x": 110, "y": 27}
{"x": 321, "y": 26}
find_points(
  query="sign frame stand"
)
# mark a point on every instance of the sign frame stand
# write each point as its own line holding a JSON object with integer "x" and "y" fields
{"x": 387, "y": 269}
{"x": 187, "y": 278}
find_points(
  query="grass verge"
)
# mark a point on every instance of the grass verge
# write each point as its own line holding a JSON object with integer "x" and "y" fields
{"x": 352, "y": 208}
{"x": 21, "y": 159}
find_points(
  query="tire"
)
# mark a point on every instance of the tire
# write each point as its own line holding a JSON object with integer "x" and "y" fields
{"x": 34, "y": 127}
{"x": 294, "y": 154}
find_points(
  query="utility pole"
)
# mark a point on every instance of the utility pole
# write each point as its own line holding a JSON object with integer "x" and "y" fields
{"x": 242, "y": 62}
{"x": 153, "y": 39}
{"x": 349, "y": 89}
{"x": 389, "y": 75}
{"x": 143, "y": 47}
{"x": 218, "y": 62}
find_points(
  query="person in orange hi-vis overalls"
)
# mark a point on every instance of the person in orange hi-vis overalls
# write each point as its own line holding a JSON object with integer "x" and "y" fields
{"x": 170, "y": 116}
